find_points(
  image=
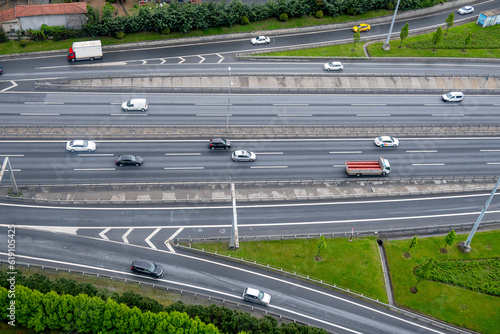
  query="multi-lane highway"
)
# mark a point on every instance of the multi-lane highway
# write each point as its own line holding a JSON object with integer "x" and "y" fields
{"x": 105, "y": 239}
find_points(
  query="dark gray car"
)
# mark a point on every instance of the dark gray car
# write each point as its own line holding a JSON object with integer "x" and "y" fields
{"x": 147, "y": 268}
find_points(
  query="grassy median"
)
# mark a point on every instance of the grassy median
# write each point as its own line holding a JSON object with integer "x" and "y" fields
{"x": 356, "y": 265}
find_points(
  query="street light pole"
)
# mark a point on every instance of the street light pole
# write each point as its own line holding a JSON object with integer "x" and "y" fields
{"x": 386, "y": 45}
{"x": 228, "y": 100}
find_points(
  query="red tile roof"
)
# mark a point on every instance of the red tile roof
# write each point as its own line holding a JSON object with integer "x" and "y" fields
{"x": 7, "y": 14}
{"x": 52, "y": 9}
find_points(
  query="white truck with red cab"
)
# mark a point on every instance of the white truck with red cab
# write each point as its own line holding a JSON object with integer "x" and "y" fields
{"x": 88, "y": 50}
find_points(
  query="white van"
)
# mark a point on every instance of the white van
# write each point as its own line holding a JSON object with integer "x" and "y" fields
{"x": 135, "y": 104}
{"x": 453, "y": 97}
{"x": 333, "y": 66}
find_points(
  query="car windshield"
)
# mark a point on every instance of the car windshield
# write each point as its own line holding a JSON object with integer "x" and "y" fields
{"x": 152, "y": 267}
{"x": 85, "y": 143}
{"x": 129, "y": 103}
{"x": 449, "y": 95}
{"x": 261, "y": 295}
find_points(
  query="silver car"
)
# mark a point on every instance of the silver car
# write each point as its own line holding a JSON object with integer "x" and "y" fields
{"x": 260, "y": 40}
{"x": 386, "y": 141}
{"x": 256, "y": 296}
{"x": 333, "y": 66}
{"x": 466, "y": 10}
{"x": 243, "y": 156}
{"x": 80, "y": 146}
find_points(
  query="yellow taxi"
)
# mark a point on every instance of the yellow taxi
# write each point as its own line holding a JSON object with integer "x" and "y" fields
{"x": 361, "y": 27}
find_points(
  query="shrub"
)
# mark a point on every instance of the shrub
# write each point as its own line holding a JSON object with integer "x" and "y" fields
{"x": 390, "y": 6}
{"x": 120, "y": 34}
{"x": 23, "y": 42}
{"x": 319, "y": 14}
{"x": 244, "y": 21}
{"x": 283, "y": 17}
{"x": 165, "y": 31}
{"x": 351, "y": 11}
{"x": 3, "y": 36}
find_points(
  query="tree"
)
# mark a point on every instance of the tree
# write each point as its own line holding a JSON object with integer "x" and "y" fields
{"x": 424, "y": 274}
{"x": 450, "y": 238}
{"x": 412, "y": 244}
{"x": 436, "y": 37}
{"x": 321, "y": 245}
{"x": 467, "y": 40}
{"x": 356, "y": 37}
{"x": 449, "y": 22}
{"x": 403, "y": 34}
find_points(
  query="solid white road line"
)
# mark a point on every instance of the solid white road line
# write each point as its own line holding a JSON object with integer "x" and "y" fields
{"x": 290, "y": 104}
{"x": 373, "y": 115}
{"x": 489, "y": 150}
{"x": 423, "y": 151}
{"x": 128, "y": 114}
{"x": 182, "y": 153}
{"x": 44, "y": 103}
{"x": 95, "y": 155}
{"x": 493, "y": 163}
{"x": 270, "y": 153}
{"x": 368, "y": 104}
{"x": 294, "y": 115}
{"x": 174, "y": 168}
{"x": 340, "y": 152}
{"x": 436, "y": 164}
{"x": 262, "y": 167}
{"x": 11, "y": 155}
{"x": 93, "y": 169}
{"x": 213, "y": 115}
{"x": 447, "y": 115}
{"x": 36, "y": 114}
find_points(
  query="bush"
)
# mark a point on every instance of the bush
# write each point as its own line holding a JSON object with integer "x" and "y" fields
{"x": 23, "y": 42}
{"x": 390, "y": 6}
{"x": 351, "y": 11}
{"x": 165, "y": 31}
{"x": 3, "y": 36}
{"x": 244, "y": 21}
{"x": 319, "y": 14}
{"x": 283, "y": 17}
{"x": 120, "y": 34}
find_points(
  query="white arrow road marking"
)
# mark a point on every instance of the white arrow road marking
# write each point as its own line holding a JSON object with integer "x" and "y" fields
{"x": 103, "y": 234}
{"x": 144, "y": 62}
{"x": 162, "y": 61}
{"x": 150, "y": 236}
{"x": 13, "y": 85}
{"x": 202, "y": 59}
{"x": 221, "y": 58}
{"x": 182, "y": 60}
{"x": 125, "y": 240}
{"x": 174, "y": 235}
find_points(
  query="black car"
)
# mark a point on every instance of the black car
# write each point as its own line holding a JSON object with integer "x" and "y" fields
{"x": 146, "y": 267}
{"x": 129, "y": 160}
{"x": 221, "y": 143}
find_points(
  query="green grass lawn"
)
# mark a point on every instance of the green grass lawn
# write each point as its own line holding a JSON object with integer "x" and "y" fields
{"x": 354, "y": 265}
{"x": 456, "y": 305}
{"x": 485, "y": 44}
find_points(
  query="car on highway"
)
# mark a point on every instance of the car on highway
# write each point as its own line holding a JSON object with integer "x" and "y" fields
{"x": 147, "y": 268}
{"x": 453, "y": 97}
{"x": 256, "y": 296}
{"x": 135, "y": 104}
{"x": 466, "y": 10}
{"x": 1, "y": 70}
{"x": 219, "y": 143}
{"x": 260, "y": 40}
{"x": 361, "y": 27}
{"x": 129, "y": 160}
{"x": 333, "y": 66}
{"x": 386, "y": 141}
{"x": 243, "y": 155}
{"x": 80, "y": 145}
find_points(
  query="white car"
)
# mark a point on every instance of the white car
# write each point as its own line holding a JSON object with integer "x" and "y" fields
{"x": 80, "y": 146}
{"x": 261, "y": 40}
{"x": 386, "y": 141}
{"x": 243, "y": 156}
{"x": 466, "y": 10}
{"x": 333, "y": 66}
{"x": 256, "y": 296}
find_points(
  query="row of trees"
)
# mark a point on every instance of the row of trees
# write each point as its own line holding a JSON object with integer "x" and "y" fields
{"x": 186, "y": 17}
{"x": 85, "y": 314}
{"x": 225, "y": 319}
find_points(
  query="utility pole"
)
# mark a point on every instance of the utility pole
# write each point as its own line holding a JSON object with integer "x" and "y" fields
{"x": 386, "y": 45}
{"x": 6, "y": 164}
{"x": 234, "y": 243}
{"x": 465, "y": 246}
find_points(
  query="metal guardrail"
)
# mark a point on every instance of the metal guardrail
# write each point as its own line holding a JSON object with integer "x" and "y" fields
{"x": 210, "y": 299}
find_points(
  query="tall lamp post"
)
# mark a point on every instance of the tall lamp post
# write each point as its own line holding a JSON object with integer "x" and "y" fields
{"x": 228, "y": 100}
{"x": 386, "y": 45}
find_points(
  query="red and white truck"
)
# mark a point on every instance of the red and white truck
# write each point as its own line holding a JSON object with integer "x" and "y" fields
{"x": 377, "y": 167}
{"x": 85, "y": 50}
